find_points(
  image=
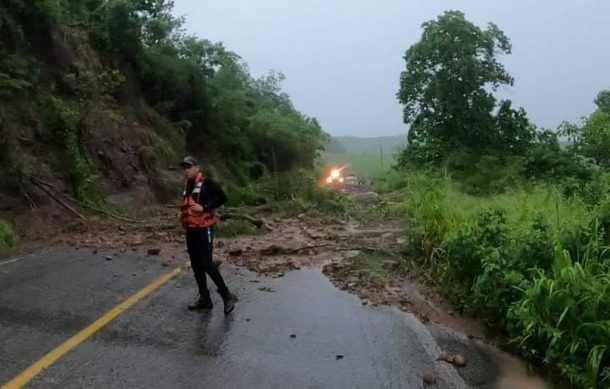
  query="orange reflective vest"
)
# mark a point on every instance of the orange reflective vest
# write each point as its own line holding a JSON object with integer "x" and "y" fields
{"x": 195, "y": 219}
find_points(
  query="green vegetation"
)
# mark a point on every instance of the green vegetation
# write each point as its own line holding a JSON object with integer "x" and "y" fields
{"x": 62, "y": 119}
{"x": 134, "y": 57}
{"x": 372, "y": 269}
{"x": 7, "y": 236}
{"x": 366, "y": 270}
{"x": 446, "y": 97}
{"x": 514, "y": 228}
{"x": 530, "y": 262}
{"x": 292, "y": 192}
{"x": 233, "y": 228}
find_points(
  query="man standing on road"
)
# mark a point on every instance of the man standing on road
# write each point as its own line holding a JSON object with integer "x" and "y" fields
{"x": 200, "y": 198}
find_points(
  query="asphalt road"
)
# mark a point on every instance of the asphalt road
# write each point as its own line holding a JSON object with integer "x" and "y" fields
{"x": 299, "y": 332}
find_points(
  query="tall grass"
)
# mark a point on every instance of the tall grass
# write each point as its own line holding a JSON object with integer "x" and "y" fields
{"x": 531, "y": 263}
{"x": 563, "y": 319}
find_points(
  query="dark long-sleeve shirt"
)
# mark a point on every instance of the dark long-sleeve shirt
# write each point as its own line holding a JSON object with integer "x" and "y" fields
{"x": 211, "y": 197}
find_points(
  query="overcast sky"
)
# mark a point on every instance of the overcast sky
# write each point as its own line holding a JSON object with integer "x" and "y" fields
{"x": 343, "y": 59}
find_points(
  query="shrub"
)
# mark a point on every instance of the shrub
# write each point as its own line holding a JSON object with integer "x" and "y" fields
{"x": 7, "y": 235}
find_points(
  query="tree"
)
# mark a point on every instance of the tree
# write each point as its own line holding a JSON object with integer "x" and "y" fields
{"x": 514, "y": 132}
{"x": 592, "y": 138}
{"x": 603, "y": 101}
{"x": 446, "y": 89}
{"x": 200, "y": 90}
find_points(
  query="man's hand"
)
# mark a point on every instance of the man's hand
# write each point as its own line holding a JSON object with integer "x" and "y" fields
{"x": 196, "y": 208}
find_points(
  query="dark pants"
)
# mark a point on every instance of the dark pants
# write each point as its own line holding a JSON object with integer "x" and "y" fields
{"x": 200, "y": 245}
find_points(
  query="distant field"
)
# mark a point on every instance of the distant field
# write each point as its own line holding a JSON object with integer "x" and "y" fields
{"x": 357, "y": 145}
{"x": 365, "y": 165}
{"x": 363, "y": 155}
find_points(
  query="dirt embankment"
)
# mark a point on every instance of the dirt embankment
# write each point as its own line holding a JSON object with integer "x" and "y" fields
{"x": 83, "y": 125}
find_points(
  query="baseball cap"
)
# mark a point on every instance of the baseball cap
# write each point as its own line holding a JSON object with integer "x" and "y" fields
{"x": 188, "y": 161}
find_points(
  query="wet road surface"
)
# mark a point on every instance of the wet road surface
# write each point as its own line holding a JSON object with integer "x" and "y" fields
{"x": 336, "y": 342}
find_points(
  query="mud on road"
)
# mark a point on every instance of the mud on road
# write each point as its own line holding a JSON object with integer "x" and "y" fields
{"x": 333, "y": 245}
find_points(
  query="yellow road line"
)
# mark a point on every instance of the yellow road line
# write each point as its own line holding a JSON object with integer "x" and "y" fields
{"x": 46, "y": 361}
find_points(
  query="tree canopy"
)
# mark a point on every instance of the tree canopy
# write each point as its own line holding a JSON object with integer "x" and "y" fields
{"x": 447, "y": 91}
{"x": 201, "y": 87}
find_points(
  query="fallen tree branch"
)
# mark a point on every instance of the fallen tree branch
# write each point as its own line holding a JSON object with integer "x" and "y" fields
{"x": 39, "y": 183}
{"x": 233, "y": 214}
{"x": 159, "y": 227}
{"x": 279, "y": 250}
{"x": 31, "y": 202}
{"x": 108, "y": 213}
{"x": 59, "y": 201}
{"x": 354, "y": 231}
{"x": 374, "y": 249}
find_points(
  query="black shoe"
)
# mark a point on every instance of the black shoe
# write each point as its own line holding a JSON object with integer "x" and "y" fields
{"x": 229, "y": 300}
{"x": 201, "y": 304}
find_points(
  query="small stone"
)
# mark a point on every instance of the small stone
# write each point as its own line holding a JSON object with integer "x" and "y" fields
{"x": 424, "y": 318}
{"x": 339, "y": 356}
{"x": 164, "y": 264}
{"x": 364, "y": 302}
{"x": 266, "y": 289}
{"x": 247, "y": 319}
{"x": 108, "y": 257}
{"x": 94, "y": 251}
{"x": 459, "y": 360}
{"x": 430, "y": 376}
{"x": 153, "y": 251}
{"x": 293, "y": 336}
{"x": 123, "y": 250}
{"x": 236, "y": 252}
